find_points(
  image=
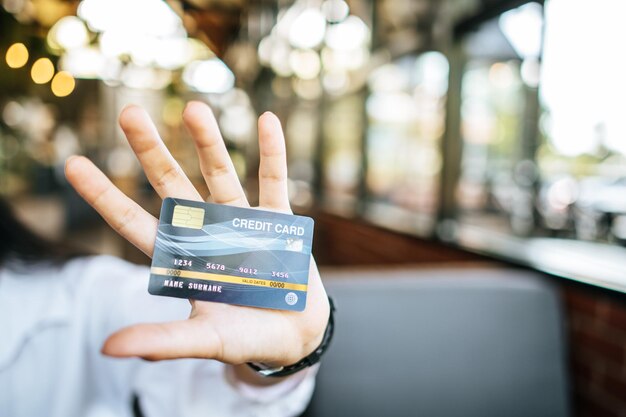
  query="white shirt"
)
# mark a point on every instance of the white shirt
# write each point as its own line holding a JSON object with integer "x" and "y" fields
{"x": 53, "y": 321}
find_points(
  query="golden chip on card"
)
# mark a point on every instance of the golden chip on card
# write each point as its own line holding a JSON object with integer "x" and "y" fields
{"x": 189, "y": 217}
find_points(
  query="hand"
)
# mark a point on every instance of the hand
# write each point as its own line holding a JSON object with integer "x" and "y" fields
{"x": 227, "y": 333}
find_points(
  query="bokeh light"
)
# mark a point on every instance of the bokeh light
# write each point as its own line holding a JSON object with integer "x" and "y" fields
{"x": 335, "y": 10}
{"x": 308, "y": 29}
{"x": 305, "y": 63}
{"x": 85, "y": 62}
{"x": 62, "y": 84}
{"x": 209, "y": 76}
{"x": 68, "y": 33}
{"x": 42, "y": 71}
{"x": 17, "y": 55}
{"x": 131, "y": 17}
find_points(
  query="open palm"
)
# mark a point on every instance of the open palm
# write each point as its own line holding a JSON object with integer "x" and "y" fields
{"x": 231, "y": 334}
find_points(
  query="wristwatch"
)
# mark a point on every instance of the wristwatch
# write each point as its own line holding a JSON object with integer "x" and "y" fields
{"x": 310, "y": 360}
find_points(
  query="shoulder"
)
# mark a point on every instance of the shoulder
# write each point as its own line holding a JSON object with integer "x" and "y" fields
{"x": 90, "y": 268}
{"x": 101, "y": 267}
{"x": 83, "y": 287}
{"x": 101, "y": 275}
{"x": 101, "y": 293}
{"x": 79, "y": 283}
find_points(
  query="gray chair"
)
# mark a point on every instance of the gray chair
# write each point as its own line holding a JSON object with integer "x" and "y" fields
{"x": 443, "y": 343}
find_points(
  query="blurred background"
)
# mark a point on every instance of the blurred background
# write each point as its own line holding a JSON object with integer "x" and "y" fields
{"x": 434, "y": 118}
{"x": 447, "y": 130}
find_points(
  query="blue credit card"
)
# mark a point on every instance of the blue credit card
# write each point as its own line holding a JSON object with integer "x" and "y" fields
{"x": 232, "y": 255}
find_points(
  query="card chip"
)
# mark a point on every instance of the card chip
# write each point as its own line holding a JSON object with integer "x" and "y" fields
{"x": 189, "y": 217}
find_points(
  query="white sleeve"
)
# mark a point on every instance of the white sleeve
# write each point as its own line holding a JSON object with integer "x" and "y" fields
{"x": 184, "y": 387}
{"x": 193, "y": 387}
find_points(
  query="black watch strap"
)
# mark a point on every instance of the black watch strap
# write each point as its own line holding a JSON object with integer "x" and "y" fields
{"x": 310, "y": 360}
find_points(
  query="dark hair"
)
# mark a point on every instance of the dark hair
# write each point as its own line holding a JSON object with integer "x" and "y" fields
{"x": 20, "y": 243}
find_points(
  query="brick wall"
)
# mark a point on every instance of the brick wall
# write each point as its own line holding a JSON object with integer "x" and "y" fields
{"x": 597, "y": 334}
{"x": 596, "y": 318}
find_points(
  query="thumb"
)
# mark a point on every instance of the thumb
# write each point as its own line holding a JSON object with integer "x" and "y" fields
{"x": 157, "y": 341}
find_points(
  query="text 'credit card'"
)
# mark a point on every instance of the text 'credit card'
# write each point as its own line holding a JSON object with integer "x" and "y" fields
{"x": 232, "y": 255}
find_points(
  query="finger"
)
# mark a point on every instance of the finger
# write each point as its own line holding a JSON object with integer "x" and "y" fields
{"x": 124, "y": 215}
{"x": 162, "y": 170}
{"x": 215, "y": 163}
{"x": 179, "y": 339}
{"x": 273, "y": 164}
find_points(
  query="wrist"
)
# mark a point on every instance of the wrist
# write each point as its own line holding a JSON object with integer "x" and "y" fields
{"x": 306, "y": 350}
{"x": 278, "y": 370}
{"x": 251, "y": 384}
{"x": 247, "y": 375}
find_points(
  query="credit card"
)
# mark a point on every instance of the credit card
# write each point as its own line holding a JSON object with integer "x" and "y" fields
{"x": 233, "y": 255}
